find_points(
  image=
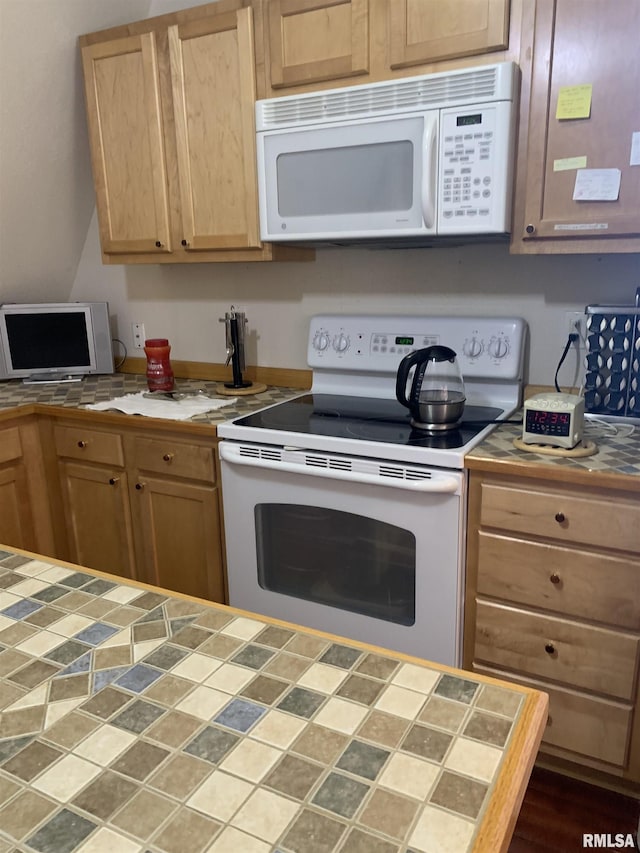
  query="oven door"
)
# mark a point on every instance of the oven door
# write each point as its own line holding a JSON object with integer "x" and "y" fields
{"x": 362, "y": 548}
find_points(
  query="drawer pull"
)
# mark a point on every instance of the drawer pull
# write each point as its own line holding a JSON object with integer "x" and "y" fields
{"x": 560, "y": 517}
{"x": 550, "y": 649}
{"x": 82, "y": 444}
{"x": 113, "y": 480}
{"x": 554, "y": 578}
{"x": 168, "y": 457}
{"x": 139, "y": 486}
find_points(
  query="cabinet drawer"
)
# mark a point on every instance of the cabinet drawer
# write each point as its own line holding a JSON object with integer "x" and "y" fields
{"x": 574, "y": 583}
{"x": 576, "y": 654}
{"x": 168, "y": 456}
{"x": 10, "y": 446}
{"x": 562, "y": 515}
{"x": 593, "y": 727}
{"x": 89, "y": 444}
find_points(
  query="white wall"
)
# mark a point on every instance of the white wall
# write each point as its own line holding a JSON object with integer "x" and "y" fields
{"x": 46, "y": 191}
{"x": 184, "y": 303}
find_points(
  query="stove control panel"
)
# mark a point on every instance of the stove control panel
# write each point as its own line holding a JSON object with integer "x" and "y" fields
{"x": 487, "y": 347}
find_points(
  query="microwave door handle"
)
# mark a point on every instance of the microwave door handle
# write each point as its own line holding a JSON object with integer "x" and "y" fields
{"x": 429, "y": 151}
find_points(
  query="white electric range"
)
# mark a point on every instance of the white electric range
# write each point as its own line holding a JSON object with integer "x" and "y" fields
{"x": 342, "y": 516}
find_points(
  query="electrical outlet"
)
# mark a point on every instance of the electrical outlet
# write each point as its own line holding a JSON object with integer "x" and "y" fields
{"x": 575, "y": 321}
{"x": 137, "y": 330}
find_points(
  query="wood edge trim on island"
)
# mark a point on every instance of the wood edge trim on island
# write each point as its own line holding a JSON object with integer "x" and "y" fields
{"x": 279, "y": 376}
{"x": 499, "y": 820}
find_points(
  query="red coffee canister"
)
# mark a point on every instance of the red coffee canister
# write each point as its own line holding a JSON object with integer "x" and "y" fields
{"x": 159, "y": 372}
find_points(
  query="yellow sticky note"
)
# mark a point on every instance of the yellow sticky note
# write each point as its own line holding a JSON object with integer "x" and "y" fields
{"x": 569, "y": 163}
{"x": 574, "y": 101}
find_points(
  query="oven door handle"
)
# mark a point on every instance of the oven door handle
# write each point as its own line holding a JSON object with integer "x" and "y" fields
{"x": 438, "y": 483}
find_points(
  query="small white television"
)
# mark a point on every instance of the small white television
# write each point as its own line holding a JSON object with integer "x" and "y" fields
{"x": 54, "y": 341}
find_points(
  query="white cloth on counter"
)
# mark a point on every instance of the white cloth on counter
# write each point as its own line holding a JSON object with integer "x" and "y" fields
{"x": 179, "y": 409}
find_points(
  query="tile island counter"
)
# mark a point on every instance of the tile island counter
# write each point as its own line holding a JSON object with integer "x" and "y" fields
{"x": 133, "y": 719}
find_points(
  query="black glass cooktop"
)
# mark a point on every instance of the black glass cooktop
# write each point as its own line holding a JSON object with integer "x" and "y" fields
{"x": 365, "y": 418}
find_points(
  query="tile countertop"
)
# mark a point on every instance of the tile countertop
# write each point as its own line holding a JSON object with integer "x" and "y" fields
{"x": 616, "y": 464}
{"x": 94, "y": 389}
{"x": 133, "y": 719}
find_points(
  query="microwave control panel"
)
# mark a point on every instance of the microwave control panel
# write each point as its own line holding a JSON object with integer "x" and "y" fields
{"x": 475, "y": 168}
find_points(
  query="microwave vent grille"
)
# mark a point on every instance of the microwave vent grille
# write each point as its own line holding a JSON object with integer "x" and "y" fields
{"x": 413, "y": 93}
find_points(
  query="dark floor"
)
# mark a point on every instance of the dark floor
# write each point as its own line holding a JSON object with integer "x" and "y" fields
{"x": 557, "y": 811}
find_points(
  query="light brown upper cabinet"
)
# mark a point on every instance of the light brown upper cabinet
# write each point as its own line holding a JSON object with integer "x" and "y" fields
{"x": 314, "y": 40}
{"x": 170, "y": 109}
{"x": 213, "y": 81}
{"x": 314, "y": 44}
{"x": 127, "y": 144}
{"x": 566, "y": 44}
{"x": 422, "y": 31}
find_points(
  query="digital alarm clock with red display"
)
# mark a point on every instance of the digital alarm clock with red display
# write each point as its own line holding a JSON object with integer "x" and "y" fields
{"x": 553, "y": 419}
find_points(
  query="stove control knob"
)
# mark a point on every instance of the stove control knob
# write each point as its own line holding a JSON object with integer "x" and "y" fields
{"x": 341, "y": 342}
{"x": 499, "y": 347}
{"x": 321, "y": 341}
{"x": 472, "y": 347}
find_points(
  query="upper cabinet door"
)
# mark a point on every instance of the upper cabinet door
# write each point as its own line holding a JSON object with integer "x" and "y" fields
{"x": 566, "y": 207}
{"x": 126, "y": 135}
{"x": 314, "y": 40}
{"x": 213, "y": 79}
{"x": 423, "y": 31}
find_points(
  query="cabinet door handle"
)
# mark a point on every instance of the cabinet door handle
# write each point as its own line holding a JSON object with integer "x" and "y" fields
{"x": 168, "y": 457}
{"x": 554, "y": 578}
{"x": 158, "y": 244}
{"x": 530, "y": 229}
{"x": 139, "y": 486}
{"x": 113, "y": 480}
{"x": 550, "y": 649}
{"x": 184, "y": 242}
{"x": 82, "y": 444}
{"x": 560, "y": 517}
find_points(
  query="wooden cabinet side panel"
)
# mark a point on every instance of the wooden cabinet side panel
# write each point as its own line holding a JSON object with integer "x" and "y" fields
{"x": 422, "y": 31}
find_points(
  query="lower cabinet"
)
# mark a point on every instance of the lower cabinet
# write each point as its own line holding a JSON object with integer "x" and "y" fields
{"x": 553, "y": 602}
{"x": 16, "y": 517}
{"x": 176, "y": 515}
{"x": 25, "y": 518}
{"x": 141, "y": 505}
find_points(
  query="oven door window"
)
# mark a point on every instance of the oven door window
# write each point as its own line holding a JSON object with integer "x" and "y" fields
{"x": 337, "y": 558}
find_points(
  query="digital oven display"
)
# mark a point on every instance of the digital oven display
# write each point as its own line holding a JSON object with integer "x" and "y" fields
{"x": 541, "y": 422}
{"x": 404, "y": 341}
{"x": 464, "y": 121}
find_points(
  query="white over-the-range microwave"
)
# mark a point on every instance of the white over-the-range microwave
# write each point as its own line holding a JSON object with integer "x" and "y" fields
{"x": 415, "y": 157}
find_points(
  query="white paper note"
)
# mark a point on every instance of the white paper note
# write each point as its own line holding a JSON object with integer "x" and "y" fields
{"x": 634, "y": 160}
{"x": 597, "y": 185}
